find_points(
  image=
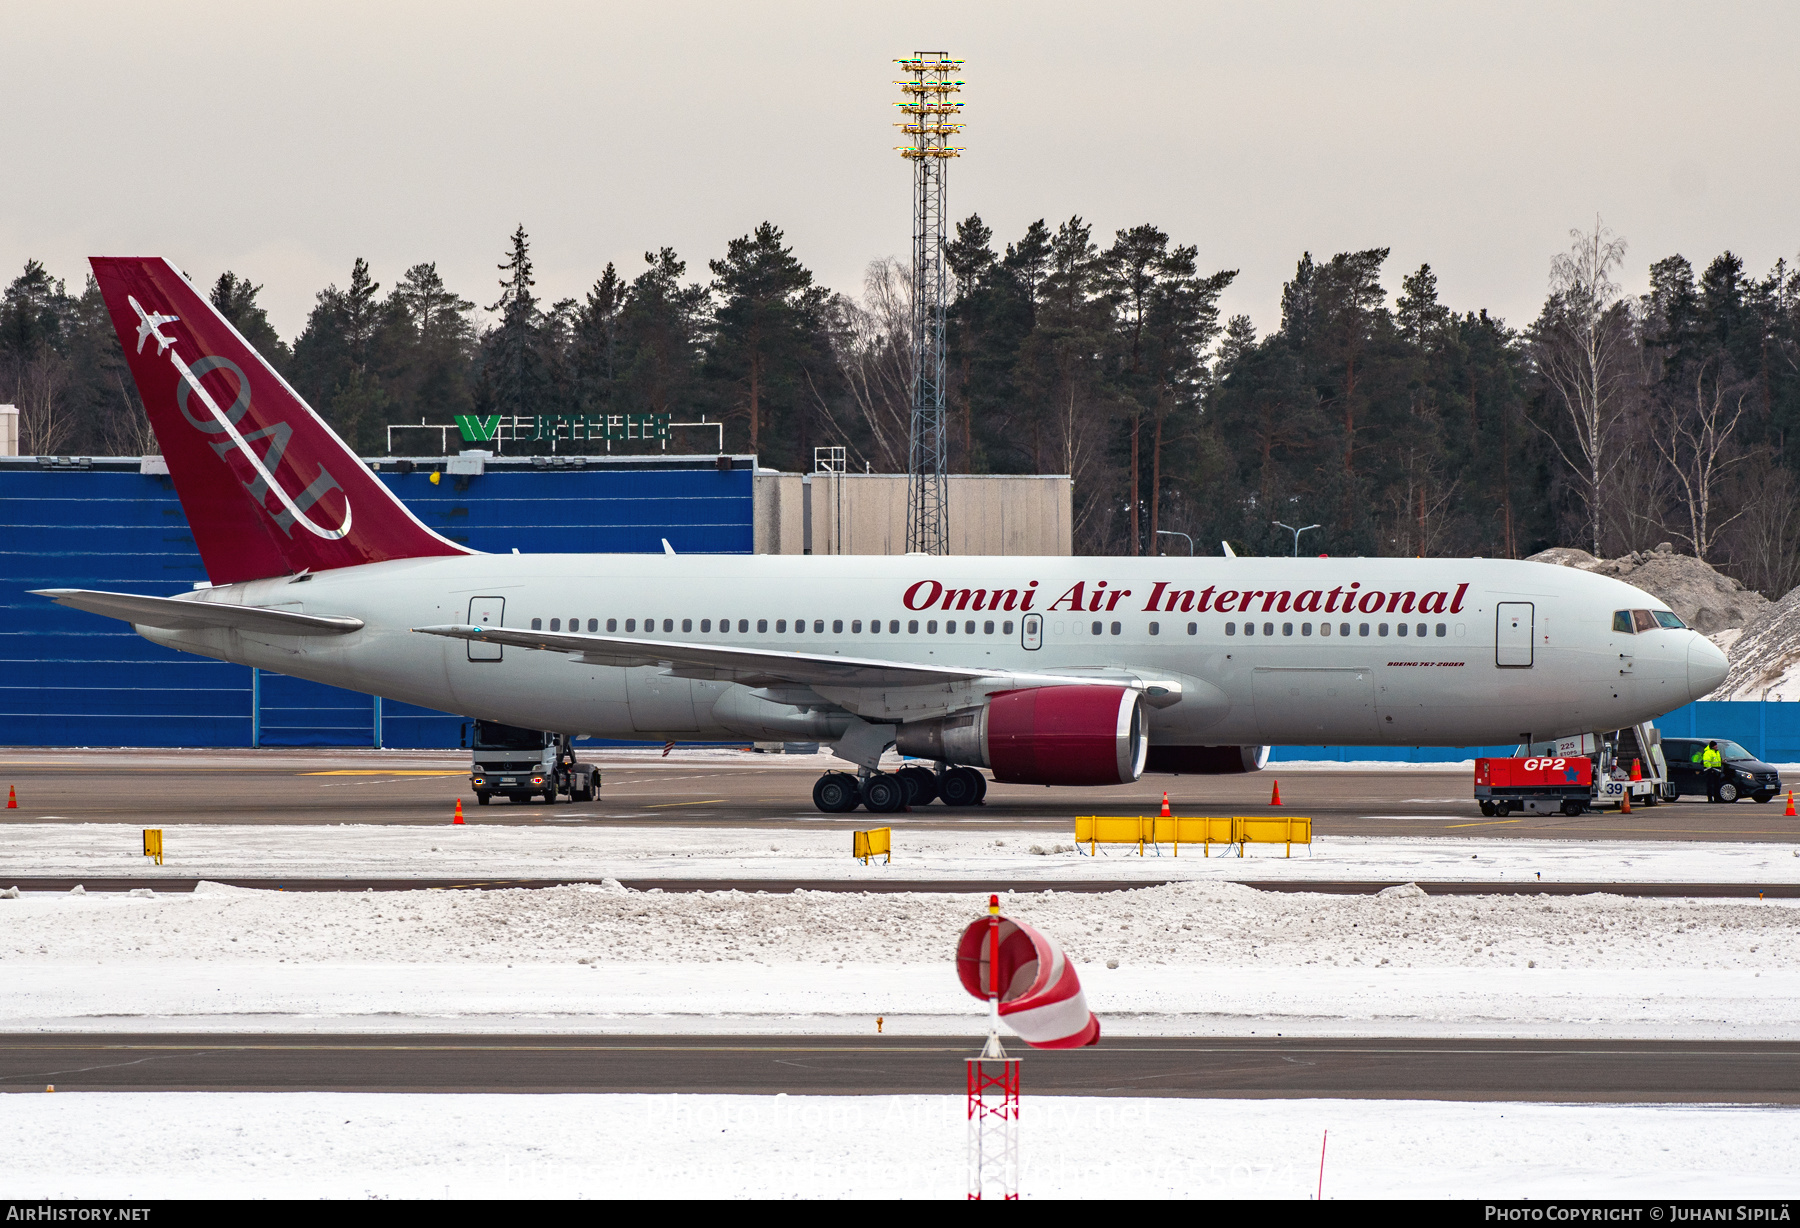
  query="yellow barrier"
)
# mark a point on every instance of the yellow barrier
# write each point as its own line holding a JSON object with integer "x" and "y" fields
{"x": 153, "y": 843}
{"x": 873, "y": 843}
{"x": 1095, "y": 830}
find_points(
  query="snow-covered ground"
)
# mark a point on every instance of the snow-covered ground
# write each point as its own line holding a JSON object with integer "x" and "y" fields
{"x": 1187, "y": 958}
{"x": 106, "y": 850}
{"x": 350, "y": 1145}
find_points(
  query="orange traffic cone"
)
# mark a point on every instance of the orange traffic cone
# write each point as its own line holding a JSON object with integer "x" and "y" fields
{"x": 12, "y": 799}
{"x": 1625, "y": 802}
{"x": 1165, "y": 809}
{"x": 458, "y": 818}
{"x": 1275, "y": 797}
{"x": 1637, "y": 769}
{"x": 1790, "y": 809}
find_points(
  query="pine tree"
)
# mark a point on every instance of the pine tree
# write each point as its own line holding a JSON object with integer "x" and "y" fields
{"x": 766, "y": 332}
{"x": 514, "y": 358}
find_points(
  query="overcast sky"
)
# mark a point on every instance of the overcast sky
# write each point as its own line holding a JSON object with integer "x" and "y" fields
{"x": 282, "y": 141}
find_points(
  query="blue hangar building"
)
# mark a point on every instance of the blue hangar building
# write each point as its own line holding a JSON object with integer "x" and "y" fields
{"x": 74, "y": 679}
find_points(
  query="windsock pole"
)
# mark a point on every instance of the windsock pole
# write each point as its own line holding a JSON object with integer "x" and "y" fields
{"x": 993, "y": 1083}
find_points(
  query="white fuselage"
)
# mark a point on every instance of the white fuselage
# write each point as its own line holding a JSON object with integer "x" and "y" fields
{"x": 1291, "y": 682}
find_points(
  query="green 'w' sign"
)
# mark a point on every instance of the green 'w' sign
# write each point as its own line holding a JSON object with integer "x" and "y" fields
{"x": 478, "y": 430}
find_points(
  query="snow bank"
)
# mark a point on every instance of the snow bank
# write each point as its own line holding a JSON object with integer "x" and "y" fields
{"x": 1707, "y": 600}
{"x": 481, "y": 853}
{"x": 345, "y": 1145}
{"x": 1194, "y": 957}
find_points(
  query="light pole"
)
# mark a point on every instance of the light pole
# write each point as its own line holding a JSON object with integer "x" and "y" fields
{"x": 1296, "y": 532}
{"x": 1175, "y": 533}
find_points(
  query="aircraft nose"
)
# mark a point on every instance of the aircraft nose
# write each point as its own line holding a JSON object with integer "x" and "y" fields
{"x": 1706, "y": 667}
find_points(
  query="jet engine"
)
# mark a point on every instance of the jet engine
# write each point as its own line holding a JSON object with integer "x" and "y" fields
{"x": 1054, "y": 735}
{"x": 1206, "y": 760}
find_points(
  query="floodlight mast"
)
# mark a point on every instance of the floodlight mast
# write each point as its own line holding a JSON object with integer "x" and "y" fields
{"x": 931, "y": 120}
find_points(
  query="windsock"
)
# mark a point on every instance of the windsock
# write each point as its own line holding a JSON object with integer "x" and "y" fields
{"x": 1040, "y": 995}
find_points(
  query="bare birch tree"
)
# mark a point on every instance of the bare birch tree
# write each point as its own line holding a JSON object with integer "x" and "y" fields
{"x": 45, "y": 421}
{"x": 1582, "y": 347}
{"x": 1693, "y": 435}
{"x": 870, "y": 342}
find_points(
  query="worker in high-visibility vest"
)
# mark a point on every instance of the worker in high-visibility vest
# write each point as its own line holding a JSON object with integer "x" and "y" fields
{"x": 1713, "y": 764}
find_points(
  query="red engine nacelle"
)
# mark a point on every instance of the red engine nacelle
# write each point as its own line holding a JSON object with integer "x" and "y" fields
{"x": 1054, "y": 735}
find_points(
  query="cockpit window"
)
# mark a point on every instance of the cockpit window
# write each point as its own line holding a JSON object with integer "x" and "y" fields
{"x": 1622, "y": 622}
{"x": 1669, "y": 619}
{"x": 1645, "y": 620}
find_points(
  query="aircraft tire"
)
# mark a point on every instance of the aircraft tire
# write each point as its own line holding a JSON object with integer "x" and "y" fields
{"x": 921, "y": 785}
{"x": 882, "y": 793}
{"x": 961, "y": 786}
{"x": 837, "y": 793}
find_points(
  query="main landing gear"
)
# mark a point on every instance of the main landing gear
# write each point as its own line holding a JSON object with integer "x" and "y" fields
{"x": 888, "y": 792}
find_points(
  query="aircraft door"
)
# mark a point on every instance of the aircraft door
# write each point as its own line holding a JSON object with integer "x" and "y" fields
{"x": 1514, "y": 630}
{"x": 1031, "y": 631}
{"x": 486, "y": 612}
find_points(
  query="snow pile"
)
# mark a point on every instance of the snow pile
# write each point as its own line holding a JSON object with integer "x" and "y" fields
{"x": 745, "y": 854}
{"x": 1707, "y": 600}
{"x": 1198, "y": 957}
{"x": 386, "y": 1145}
{"x": 1765, "y": 658}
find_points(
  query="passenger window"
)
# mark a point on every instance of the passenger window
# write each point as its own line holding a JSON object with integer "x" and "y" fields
{"x": 631, "y": 624}
{"x": 837, "y": 626}
{"x": 931, "y": 627}
{"x": 1305, "y": 628}
{"x": 987, "y": 628}
{"x": 1420, "y": 630}
{"x": 556, "y": 624}
{"x": 894, "y": 626}
{"x": 574, "y": 624}
{"x": 687, "y": 625}
{"x": 874, "y": 626}
{"x": 612, "y": 624}
{"x": 1249, "y": 628}
{"x": 912, "y": 626}
{"x": 1193, "y": 628}
{"x": 705, "y": 625}
{"x": 855, "y": 626}
{"x": 1116, "y": 627}
{"x": 1287, "y": 628}
{"x": 1268, "y": 628}
{"x": 1006, "y": 627}
{"x": 1155, "y": 629}
{"x": 1400, "y": 628}
{"x": 950, "y": 627}
{"x": 537, "y": 624}
{"x": 969, "y": 627}
{"x": 1382, "y": 630}
{"x": 818, "y": 626}
{"x": 668, "y": 624}
{"x": 1230, "y": 628}
{"x": 1644, "y": 620}
{"x": 1344, "y": 629}
{"x": 593, "y": 624}
{"x": 1443, "y": 629}
{"x": 1324, "y": 628}
{"x": 1622, "y": 622}
{"x": 1361, "y": 629}
{"x": 744, "y": 626}
{"x": 1097, "y": 627}
{"x": 762, "y": 626}
{"x": 781, "y": 625}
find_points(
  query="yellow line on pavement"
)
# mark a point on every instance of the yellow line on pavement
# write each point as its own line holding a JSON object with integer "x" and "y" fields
{"x": 1488, "y": 823}
{"x": 665, "y": 805}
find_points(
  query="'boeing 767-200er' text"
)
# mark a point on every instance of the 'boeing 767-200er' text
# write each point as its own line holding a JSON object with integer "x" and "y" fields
{"x": 1062, "y": 671}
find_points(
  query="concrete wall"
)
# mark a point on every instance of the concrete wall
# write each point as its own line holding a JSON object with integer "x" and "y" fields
{"x": 9, "y": 430}
{"x": 865, "y": 513}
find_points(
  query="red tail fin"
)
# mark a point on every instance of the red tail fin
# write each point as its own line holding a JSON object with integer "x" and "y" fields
{"x": 268, "y": 488}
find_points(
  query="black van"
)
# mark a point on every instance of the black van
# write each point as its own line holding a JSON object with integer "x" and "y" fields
{"x": 1743, "y": 775}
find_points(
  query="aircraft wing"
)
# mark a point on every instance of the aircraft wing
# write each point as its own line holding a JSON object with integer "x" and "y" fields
{"x": 179, "y": 614}
{"x": 750, "y": 666}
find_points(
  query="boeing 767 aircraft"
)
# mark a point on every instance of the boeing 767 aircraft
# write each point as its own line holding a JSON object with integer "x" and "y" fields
{"x": 1059, "y": 671}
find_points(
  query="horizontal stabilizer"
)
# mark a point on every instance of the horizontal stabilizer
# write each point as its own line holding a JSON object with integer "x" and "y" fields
{"x": 751, "y": 666}
{"x": 188, "y": 614}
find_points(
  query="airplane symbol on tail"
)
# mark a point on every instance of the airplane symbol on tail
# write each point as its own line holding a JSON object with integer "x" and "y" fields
{"x": 149, "y": 325}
